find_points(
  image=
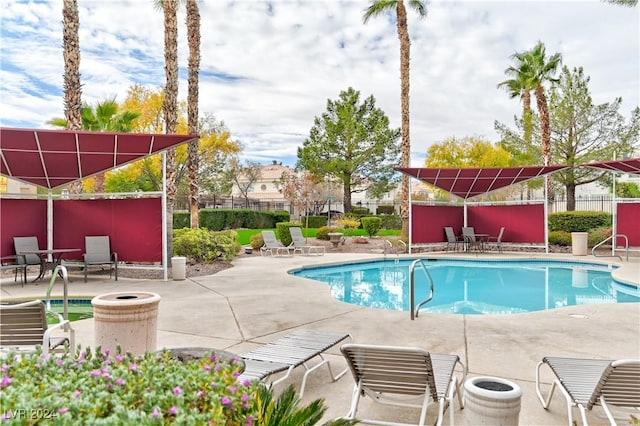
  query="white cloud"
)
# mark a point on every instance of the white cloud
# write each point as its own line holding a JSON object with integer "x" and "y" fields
{"x": 267, "y": 69}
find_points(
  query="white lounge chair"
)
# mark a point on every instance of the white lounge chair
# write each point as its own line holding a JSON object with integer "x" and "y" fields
{"x": 586, "y": 383}
{"x": 23, "y": 327}
{"x": 289, "y": 352}
{"x": 403, "y": 376}
{"x": 299, "y": 245}
{"x": 272, "y": 246}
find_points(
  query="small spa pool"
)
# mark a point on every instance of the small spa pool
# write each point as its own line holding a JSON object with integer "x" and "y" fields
{"x": 79, "y": 308}
{"x": 474, "y": 287}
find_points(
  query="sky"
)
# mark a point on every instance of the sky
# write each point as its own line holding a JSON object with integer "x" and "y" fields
{"x": 268, "y": 68}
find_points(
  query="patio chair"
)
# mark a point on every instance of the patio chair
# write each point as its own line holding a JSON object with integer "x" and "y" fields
{"x": 16, "y": 263}
{"x": 98, "y": 253}
{"x": 498, "y": 240}
{"x": 23, "y": 327}
{"x": 470, "y": 240}
{"x": 298, "y": 243}
{"x": 452, "y": 239}
{"x": 289, "y": 352}
{"x": 403, "y": 376}
{"x": 586, "y": 383}
{"x": 21, "y": 244}
{"x": 273, "y": 246}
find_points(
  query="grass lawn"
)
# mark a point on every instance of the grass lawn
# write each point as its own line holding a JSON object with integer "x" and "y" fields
{"x": 244, "y": 235}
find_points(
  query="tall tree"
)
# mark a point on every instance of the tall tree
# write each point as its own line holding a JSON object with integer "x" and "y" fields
{"x": 170, "y": 105}
{"x": 538, "y": 70}
{"x": 352, "y": 143}
{"x": 520, "y": 86}
{"x": 193, "y": 39}
{"x": 71, "y": 55}
{"x": 105, "y": 116}
{"x": 245, "y": 176}
{"x": 381, "y": 7}
{"x": 583, "y": 131}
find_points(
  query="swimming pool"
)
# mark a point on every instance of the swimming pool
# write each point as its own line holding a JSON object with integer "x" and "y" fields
{"x": 474, "y": 287}
{"x": 79, "y": 308}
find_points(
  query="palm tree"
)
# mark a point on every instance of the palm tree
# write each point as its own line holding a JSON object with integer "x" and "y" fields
{"x": 377, "y": 8}
{"x": 72, "y": 87}
{"x": 105, "y": 117}
{"x": 537, "y": 69}
{"x": 519, "y": 86}
{"x": 170, "y": 105}
{"x": 193, "y": 39}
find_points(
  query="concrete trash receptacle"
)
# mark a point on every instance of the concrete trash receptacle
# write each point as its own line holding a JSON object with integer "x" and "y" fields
{"x": 126, "y": 319}
{"x": 492, "y": 401}
{"x": 579, "y": 243}
{"x": 179, "y": 268}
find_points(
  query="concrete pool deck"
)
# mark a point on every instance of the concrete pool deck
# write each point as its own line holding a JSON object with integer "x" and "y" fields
{"x": 256, "y": 301}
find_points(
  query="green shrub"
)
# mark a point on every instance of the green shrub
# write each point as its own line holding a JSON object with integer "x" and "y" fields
{"x": 314, "y": 221}
{"x": 283, "y": 232}
{"x": 203, "y": 245}
{"x": 257, "y": 241}
{"x": 281, "y": 216}
{"x": 348, "y": 223}
{"x": 219, "y": 219}
{"x": 578, "y": 221}
{"x": 371, "y": 225}
{"x": 122, "y": 389}
{"x": 391, "y": 221}
{"x": 599, "y": 234}
{"x": 560, "y": 238}
{"x": 384, "y": 209}
{"x": 360, "y": 211}
{"x": 323, "y": 233}
{"x": 181, "y": 220}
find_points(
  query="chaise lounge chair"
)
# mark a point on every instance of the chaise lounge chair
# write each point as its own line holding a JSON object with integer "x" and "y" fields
{"x": 395, "y": 375}
{"x": 273, "y": 246}
{"x": 289, "y": 352}
{"x": 23, "y": 327}
{"x": 298, "y": 243}
{"x": 586, "y": 383}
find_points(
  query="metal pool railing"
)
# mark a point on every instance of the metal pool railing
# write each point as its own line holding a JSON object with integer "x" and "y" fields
{"x": 416, "y": 309}
{"x": 61, "y": 271}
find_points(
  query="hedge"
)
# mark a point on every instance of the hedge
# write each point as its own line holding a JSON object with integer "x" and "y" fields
{"x": 579, "y": 221}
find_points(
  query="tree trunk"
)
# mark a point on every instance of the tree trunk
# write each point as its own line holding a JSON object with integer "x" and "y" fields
{"x": 571, "y": 197}
{"x": 72, "y": 87}
{"x": 193, "y": 38}
{"x": 170, "y": 107}
{"x": 346, "y": 194}
{"x": 543, "y": 107}
{"x": 405, "y": 47}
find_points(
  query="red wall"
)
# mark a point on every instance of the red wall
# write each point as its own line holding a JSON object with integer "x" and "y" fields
{"x": 627, "y": 223}
{"x": 523, "y": 223}
{"x": 134, "y": 226}
{"x": 428, "y": 222}
{"x": 22, "y": 218}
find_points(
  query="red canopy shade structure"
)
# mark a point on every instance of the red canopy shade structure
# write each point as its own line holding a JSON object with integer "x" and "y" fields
{"x": 630, "y": 165}
{"x": 53, "y": 158}
{"x": 470, "y": 182}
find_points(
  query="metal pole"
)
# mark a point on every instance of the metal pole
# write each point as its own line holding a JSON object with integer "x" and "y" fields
{"x": 165, "y": 272}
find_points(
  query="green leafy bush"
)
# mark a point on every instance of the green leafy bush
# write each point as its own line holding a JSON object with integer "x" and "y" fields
{"x": 384, "y": 209}
{"x": 283, "y": 232}
{"x": 153, "y": 389}
{"x": 323, "y": 233}
{"x": 578, "y": 221}
{"x": 181, "y": 220}
{"x": 348, "y": 223}
{"x": 360, "y": 211}
{"x": 203, "y": 245}
{"x": 256, "y": 241}
{"x": 371, "y": 225}
{"x": 599, "y": 234}
{"x": 314, "y": 221}
{"x": 560, "y": 238}
{"x": 391, "y": 221}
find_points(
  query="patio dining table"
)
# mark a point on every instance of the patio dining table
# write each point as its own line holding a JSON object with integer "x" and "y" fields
{"x": 56, "y": 254}
{"x": 478, "y": 238}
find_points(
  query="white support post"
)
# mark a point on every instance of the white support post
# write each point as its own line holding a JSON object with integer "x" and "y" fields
{"x": 546, "y": 215}
{"x": 50, "y": 224}
{"x": 165, "y": 272}
{"x": 410, "y": 236}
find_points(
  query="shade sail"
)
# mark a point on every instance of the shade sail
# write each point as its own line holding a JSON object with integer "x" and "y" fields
{"x": 630, "y": 165}
{"x": 53, "y": 158}
{"x": 470, "y": 182}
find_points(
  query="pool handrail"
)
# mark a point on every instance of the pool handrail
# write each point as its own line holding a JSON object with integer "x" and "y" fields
{"x": 415, "y": 309}
{"x": 614, "y": 249}
{"x": 57, "y": 271}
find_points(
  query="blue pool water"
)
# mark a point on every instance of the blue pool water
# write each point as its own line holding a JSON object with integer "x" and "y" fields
{"x": 474, "y": 287}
